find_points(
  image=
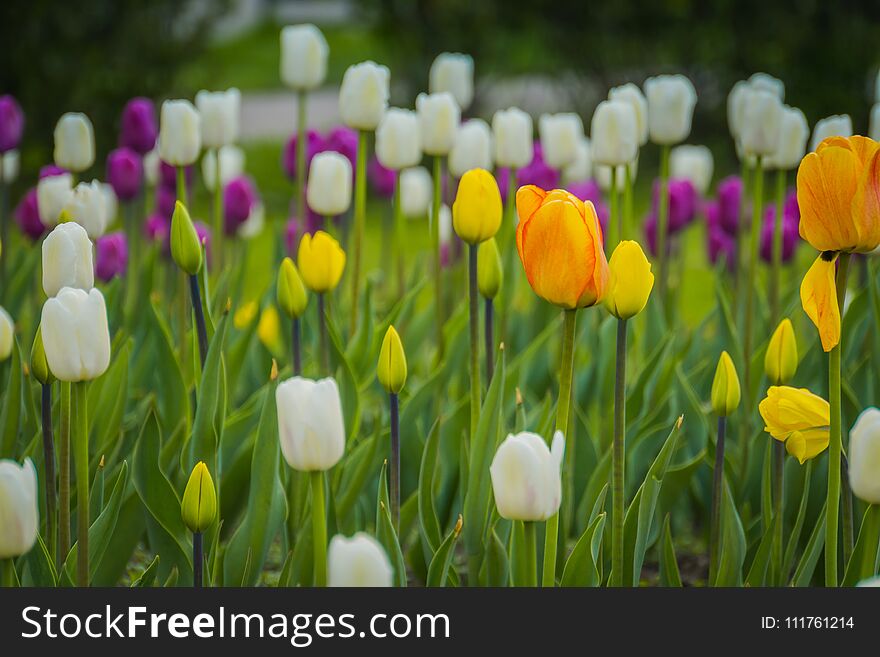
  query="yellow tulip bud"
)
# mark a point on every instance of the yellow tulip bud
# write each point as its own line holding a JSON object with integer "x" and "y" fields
{"x": 292, "y": 295}
{"x": 725, "y": 387}
{"x": 489, "y": 270}
{"x": 185, "y": 246}
{"x": 269, "y": 330}
{"x": 391, "y": 370}
{"x": 630, "y": 281}
{"x": 39, "y": 364}
{"x": 321, "y": 261}
{"x": 781, "y": 359}
{"x": 199, "y": 505}
{"x": 476, "y": 212}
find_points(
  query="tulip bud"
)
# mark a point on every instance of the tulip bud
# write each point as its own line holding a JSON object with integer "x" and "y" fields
{"x": 363, "y": 96}
{"x": 692, "y": 163}
{"x": 838, "y": 125}
{"x": 768, "y": 83}
{"x": 19, "y": 508}
{"x": 67, "y": 259}
{"x": 453, "y": 72}
{"x": 415, "y": 192}
{"x": 10, "y": 163}
{"x": 476, "y": 212}
{"x": 615, "y": 137}
{"x": 472, "y": 148}
{"x": 138, "y": 130}
{"x": 220, "y": 114}
{"x": 75, "y": 334}
{"x": 7, "y": 334}
{"x": 39, "y": 364}
{"x": 358, "y": 561}
{"x": 180, "y": 138}
{"x": 512, "y": 132}
{"x": 152, "y": 167}
{"x": 560, "y": 136}
{"x": 329, "y": 188}
{"x": 630, "y": 281}
{"x": 490, "y": 272}
{"x": 725, "y": 387}
{"x": 398, "y": 141}
{"x": 761, "y": 122}
{"x": 581, "y": 168}
{"x": 631, "y": 94}
{"x": 199, "y": 504}
{"x": 526, "y": 476}
{"x": 87, "y": 206}
{"x": 310, "y": 424}
{"x": 793, "y": 135}
{"x": 864, "y": 456}
{"x": 304, "y": 53}
{"x": 11, "y": 123}
{"x": 111, "y": 255}
{"x": 74, "y": 142}
{"x": 391, "y": 370}
{"x": 292, "y": 295}
{"x": 231, "y": 166}
{"x": 53, "y": 193}
{"x": 321, "y": 261}
{"x": 874, "y": 129}
{"x": 125, "y": 172}
{"x": 781, "y": 359}
{"x": 186, "y": 248}
{"x": 671, "y": 101}
{"x": 439, "y": 116}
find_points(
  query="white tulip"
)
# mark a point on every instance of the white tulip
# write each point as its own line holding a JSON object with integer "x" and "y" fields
{"x": 877, "y": 89}
{"x": 111, "y": 204}
{"x": 180, "y": 133}
{"x": 363, "y": 96}
{"x": 472, "y": 148}
{"x": 87, "y": 206}
{"x": 793, "y": 135}
{"x": 67, "y": 259}
{"x": 761, "y": 122}
{"x": 767, "y": 82}
{"x": 7, "y": 333}
{"x": 560, "y": 135}
{"x": 874, "y": 125}
{"x": 734, "y": 103}
{"x": 453, "y": 72}
{"x": 415, "y": 192}
{"x": 445, "y": 224}
{"x": 310, "y": 424}
{"x": 838, "y": 125}
{"x": 358, "y": 561}
{"x": 872, "y": 582}
{"x": 526, "y": 476}
{"x": 398, "y": 140}
{"x": 53, "y": 193}
{"x": 231, "y": 166}
{"x": 220, "y": 113}
{"x": 19, "y": 508}
{"x": 692, "y": 163}
{"x": 152, "y": 167}
{"x": 630, "y": 93}
{"x": 304, "y": 53}
{"x": 512, "y": 130}
{"x": 10, "y": 161}
{"x": 74, "y": 142}
{"x": 603, "y": 175}
{"x": 328, "y": 192}
{"x": 439, "y": 116}
{"x": 75, "y": 334}
{"x": 581, "y": 168}
{"x": 255, "y": 222}
{"x": 864, "y": 456}
{"x": 671, "y": 102}
{"x": 614, "y": 133}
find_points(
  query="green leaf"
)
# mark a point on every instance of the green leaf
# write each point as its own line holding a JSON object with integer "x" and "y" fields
{"x": 761, "y": 563}
{"x": 162, "y": 372}
{"x": 669, "y": 575}
{"x": 795, "y": 534}
{"x": 438, "y": 571}
{"x": 804, "y": 572}
{"x": 348, "y": 385}
{"x": 106, "y": 399}
{"x": 10, "y": 414}
{"x": 385, "y": 533}
{"x": 148, "y": 577}
{"x": 358, "y": 465}
{"x": 495, "y": 568}
{"x": 732, "y": 546}
{"x": 286, "y": 571}
{"x": 39, "y": 569}
{"x": 582, "y": 566}
{"x": 211, "y": 408}
{"x": 866, "y": 554}
{"x": 429, "y": 525}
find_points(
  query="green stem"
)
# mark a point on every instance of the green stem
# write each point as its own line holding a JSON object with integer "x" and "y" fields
{"x": 201, "y": 327}
{"x": 49, "y": 465}
{"x": 64, "y": 476}
{"x": 618, "y": 458}
{"x": 322, "y": 334}
{"x": 81, "y": 461}
{"x": 394, "y": 480}
{"x": 474, "y": 316}
{"x": 717, "y": 484}
{"x": 301, "y": 143}
{"x": 531, "y": 555}
{"x": 4, "y": 224}
{"x": 397, "y": 238}
{"x": 198, "y": 560}
{"x": 489, "y": 334}
{"x": 663, "y": 222}
{"x": 846, "y": 503}
{"x": 438, "y": 264}
{"x": 360, "y": 212}
{"x": 778, "y": 493}
{"x": 776, "y": 278}
{"x": 613, "y": 196}
{"x": 218, "y": 212}
{"x": 627, "y": 200}
{"x": 182, "y": 308}
{"x": 740, "y": 234}
{"x": 319, "y": 528}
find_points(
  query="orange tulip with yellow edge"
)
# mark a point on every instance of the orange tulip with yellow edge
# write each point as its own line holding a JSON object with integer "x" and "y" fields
{"x": 798, "y": 418}
{"x": 819, "y": 299}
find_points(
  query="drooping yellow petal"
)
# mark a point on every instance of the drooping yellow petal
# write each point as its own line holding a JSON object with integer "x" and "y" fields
{"x": 819, "y": 300}
{"x": 805, "y": 445}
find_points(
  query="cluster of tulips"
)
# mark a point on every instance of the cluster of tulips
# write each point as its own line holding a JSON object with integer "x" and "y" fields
{"x": 231, "y": 454}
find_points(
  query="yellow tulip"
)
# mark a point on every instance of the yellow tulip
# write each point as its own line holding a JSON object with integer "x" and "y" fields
{"x": 798, "y": 418}
{"x": 781, "y": 359}
{"x": 630, "y": 280}
{"x": 199, "y": 504}
{"x": 476, "y": 212}
{"x": 269, "y": 330}
{"x": 291, "y": 293}
{"x": 321, "y": 261}
{"x": 725, "y": 387}
{"x": 245, "y": 314}
{"x": 489, "y": 269}
{"x": 819, "y": 299}
{"x": 391, "y": 369}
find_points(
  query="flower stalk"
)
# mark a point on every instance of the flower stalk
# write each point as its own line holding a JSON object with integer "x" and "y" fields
{"x": 717, "y": 483}
{"x": 201, "y": 328}
{"x": 394, "y": 481}
{"x": 360, "y": 212}
{"x": 435, "y": 243}
{"x": 663, "y": 221}
{"x": 319, "y": 528}
{"x": 301, "y": 139}
{"x": 322, "y": 334}
{"x": 64, "y": 475}
{"x": 474, "y": 323}
{"x": 49, "y": 464}
{"x": 81, "y": 460}
{"x": 618, "y": 458}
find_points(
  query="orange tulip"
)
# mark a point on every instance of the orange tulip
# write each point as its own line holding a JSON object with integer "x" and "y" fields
{"x": 838, "y": 190}
{"x": 819, "y": 299}
{"x": 560, "y": 244}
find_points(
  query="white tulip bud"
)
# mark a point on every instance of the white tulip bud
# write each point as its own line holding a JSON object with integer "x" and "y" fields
{"x": 220, "y": 113}
{"x": 439, "y": 116}
{"x": 445, "y": 224}
{"x": 53, "y": 193}
{"x": 560, "y": 135}
{"x": 581, "y": 168}
{"x": 328, "y": 192}
{"x": 180, "y": 133}
{"x": 526, "y": 476}
{"x": 630, "y": 93}
{"x": 10, "y": 161}
{"x": 767, "y": 82}
{"x": 19, "y": 508}
{"x": 310, "y": 424}
{"x": 838, "y": 125}
{"x": 152, "y": 167}
{"x": 111, "y": 204}
{"x": 864, "y": 456}
{"x": 398, "y": 140}
{"x": 671, "y": 102}
{"x": 363, "y": 96}
{"x": 512, "y": 130}
{"x": 472, "y": 148}
{"x": 415, "y": 192}
{"x": 74, "y": 142}
{"x": 874, "y": 124}
{"x": 358, "y": 561}
{"x": 67, "y": 259}
{"x": 453, "y": 72}
{"x": 75, "y": 334}
{"x": 793, "y": 135}
{"x": 304, "y": 53}
{"x": 87, "y": 206}
{"x": 603, "y": 175}
{"x": 231, "y": 166}
{"x": 734, "y": 105}
{"x": 7, "y": 334}
{"x": 255, "y": 222}
{"x": 692, "y": 163}
{"x": 614, "y": 133}
{"x": 761, "y": 122}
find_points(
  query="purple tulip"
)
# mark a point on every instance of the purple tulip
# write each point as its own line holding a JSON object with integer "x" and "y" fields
{"x": 125, "y": 172}
{"x": 157, "y": 228}
{"x": 111, "y": 255}
{"x": 720, "y": 243}
{"x": 138, "y": 129}
{"x": 537, "y": 172}
{"x": 682, "y": 203}
{"x": 790, "y": 230}
{"x": 344, "y": 141}
{"x": 168, "y": 175}
{"x": 790, "y": 208}
{"x": 589, "y": 190}
{"x": 51, "y": 170}
{"x": 239, "y": 198}
{"x": 11, "y": 123}
{"x": 314, "y": 145}
{"x": 291, "y": 236}
{"x": 27, "y": 215}
{"x": 380, "y": 178}
{"x": 165, "y": 199}
{"x": 730, "y": 191}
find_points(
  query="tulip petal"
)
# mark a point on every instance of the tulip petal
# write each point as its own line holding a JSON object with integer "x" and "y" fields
{"x": 866, "y": 204}
{"x": 826, "y": 184}
{"x": 804, "y": 445}
{"x": 819, "y": 300}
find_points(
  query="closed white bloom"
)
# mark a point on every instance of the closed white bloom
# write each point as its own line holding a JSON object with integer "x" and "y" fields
{"x": 220, "y": 113}
{"x": 874, "y": 124}
{"x": 75, "y": 334}
{"x": 255, "y": 222}
{"x": 310, "y": 424}
{"x": 329, "y": 189}
{"x": 838, "y": 125}
{"x": 870, "y": 582}
{"x": 603, "y": 175}
{"x": 512, "y": 130}
{"x": 152, "y": 167}
{"x": 398, "y": 139}
{"x": 526, "y": 476}
{"x": 671, "y": 102}
{"x": 793, "y": 135}
{"x": 19, "y": 508}
{"x": 7, "y": 333}
{"x": 734, "y": 104}
{"x": 445, "y": 224}
{"x": 74, "y": 142}
{"x": 761, "y": 122}
{"x": 614, "y": 133}
{"x": 111, "y": 204}
{"x": 767, "y": 82}
{"x": 67, "y": 259}
{"x": 439, "y": 116}
{"x": 87, "y": 205}
{"x": 692, "y": 163}
{"x": 472, "y": 148}
{"x": 180, "y": 133}
{"x": 358, "y": 561}
{"x": 453, "y": 72}
{"x": 53, "y": 193}
{"x": 304, "y": 53}
{"x": 864, "y": 456}
{"x": 363, "y": 96}
{"x": 631, "y": 93}
{"x": 415, "y": 192}
{"x": 560, "y": 135}
{"x": 10, "y": 162}
{"x": 581, "y": 168}
{"x": 231, "y": 166}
